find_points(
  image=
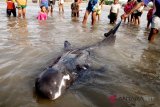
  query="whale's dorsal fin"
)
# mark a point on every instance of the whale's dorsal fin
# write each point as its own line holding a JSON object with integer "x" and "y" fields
{"x": 67, "y": 46}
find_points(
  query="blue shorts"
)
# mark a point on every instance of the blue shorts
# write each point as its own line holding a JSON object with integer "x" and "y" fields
{"x": 45, "y": 4}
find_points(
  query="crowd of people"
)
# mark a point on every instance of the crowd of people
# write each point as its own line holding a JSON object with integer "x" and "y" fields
{"x": 133, "y": 10}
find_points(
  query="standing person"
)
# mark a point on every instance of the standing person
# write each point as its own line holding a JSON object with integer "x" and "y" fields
{"x": 61, "y": 7}
{"x": 149, "y": 17}
{"x": 44, "y": 3}
{"x": 11, "y": 8}
{"x": 99, "y": 9}
{"x": 138, "y": 14}
{"x": 128, "y": 7}
{"x": 75, "y": 9}
{"x": 22, "y": 4}
{"x": 115, "y": 7}
{"x": 51, "y": 4}
{"x": 90, "y": 9}
{"x": 155, "y": 24}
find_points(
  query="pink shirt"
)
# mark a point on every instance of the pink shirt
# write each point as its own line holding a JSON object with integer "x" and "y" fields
{"x": 42, "y": 16}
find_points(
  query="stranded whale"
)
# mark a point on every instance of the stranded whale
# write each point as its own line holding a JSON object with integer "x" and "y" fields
{"x": 53, "y": 81}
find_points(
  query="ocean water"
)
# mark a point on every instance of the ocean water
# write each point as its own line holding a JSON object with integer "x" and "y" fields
{"x": 127, "y": 71}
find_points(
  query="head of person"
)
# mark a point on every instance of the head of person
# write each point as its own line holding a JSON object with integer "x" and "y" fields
{"x": 129, "y": 1}
{"x": 116, "y": 1}
{"x": 43, "y": 9}
{"x": 75, "y": 0}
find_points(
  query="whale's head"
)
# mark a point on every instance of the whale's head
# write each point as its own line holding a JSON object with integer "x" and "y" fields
{"x": 52, "y": 84}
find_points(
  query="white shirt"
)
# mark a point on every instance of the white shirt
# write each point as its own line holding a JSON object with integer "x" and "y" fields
{"x": 141, "y": 9}
{"x": 115, "y": 8}
{"x": 61, "y": 1}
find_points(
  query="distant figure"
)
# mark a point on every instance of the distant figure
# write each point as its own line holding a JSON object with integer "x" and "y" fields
{"x": 137, "y": 14}
{"x": 149, "y": 17}
{"x": 44, "y": 3}
{"x": 61, "y": 7}
{"x": 155, "y": 24}
{"x": 127, "y": 8}
{"x": 51, "y": 4}
{"x": 79, "y": 1}
{"x": 99, "y": 9}
{"x": 11, "y": 8}
{"x": 75, "y": 9}
{"x": 22, "y": 4}
{"x": 42, "y": 14}
{"x": 90, "y": 9}
{"x": 115, "y": 7}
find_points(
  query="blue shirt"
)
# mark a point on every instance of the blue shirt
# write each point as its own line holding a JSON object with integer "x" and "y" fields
{"x": 91, "y": 5}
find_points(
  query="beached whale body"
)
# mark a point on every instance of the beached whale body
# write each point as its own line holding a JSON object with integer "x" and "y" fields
{"x": 64, "y": 71}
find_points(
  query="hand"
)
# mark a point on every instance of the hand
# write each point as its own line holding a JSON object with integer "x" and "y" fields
{"x": 124, "y": 16}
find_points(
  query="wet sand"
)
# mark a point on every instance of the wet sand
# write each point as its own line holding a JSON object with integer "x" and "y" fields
{"x": 128, "y": 70}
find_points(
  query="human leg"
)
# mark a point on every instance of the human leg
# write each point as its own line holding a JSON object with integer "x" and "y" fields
{"x": 154, "y": 28}
{"x": 24, "y": 12}
{"x": 8, "y": 12}
{"x": 93, "y": 18}
{"x": 59, "y": 7}
{"x": 19, "y": 12}
{"x": 14, "y": 12}
{"x": 62, "y": 8}
{"x": 152, "y": 34}
{"x": 85, "y": 17}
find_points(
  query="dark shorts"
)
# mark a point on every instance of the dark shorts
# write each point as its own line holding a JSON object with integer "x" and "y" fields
{"x": 90, "y": 9}
{"x": 113, "y": 17}
{"x": 138, "y": 14}
{"x": 51, "y": 3}
{"x": 9, "y": 11}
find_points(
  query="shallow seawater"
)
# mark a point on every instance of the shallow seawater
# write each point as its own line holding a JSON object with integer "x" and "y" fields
{"x": 127, "y": 71}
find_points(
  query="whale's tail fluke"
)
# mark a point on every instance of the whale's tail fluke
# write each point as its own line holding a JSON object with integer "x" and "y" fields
{"x": 113, "y": 30}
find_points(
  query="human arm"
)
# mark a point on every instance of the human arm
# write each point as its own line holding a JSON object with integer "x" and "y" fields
{"x": 39, "y": 2}
{"x": 26, "y": 2}
{"x": 136, "y": 7}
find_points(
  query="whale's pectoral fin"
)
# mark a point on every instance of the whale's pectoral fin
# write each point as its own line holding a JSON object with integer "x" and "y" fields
{"x": 113, "y": 30}
{"x": 67, "y": 46}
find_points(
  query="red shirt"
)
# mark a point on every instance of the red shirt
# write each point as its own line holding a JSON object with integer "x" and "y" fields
{"x": 149, "y": 14}
{"x": 10, "y": 5}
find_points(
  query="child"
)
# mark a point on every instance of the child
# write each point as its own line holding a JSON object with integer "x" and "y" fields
{"x": 75, "y": 9}
{"x": 44, "y": 3}
{"x": 22, "y": 4}
{"x": 99, "y": 9}
{"x": 42, "y": 14}
{"x": 149, "y": 17}
{"x": 60, "y": 4}
{"x": 90, "y": 8}
{"x": 115, "y": 7}
{"x": 137, "y": 15}
{"x": 51, "y": 4}
{"x": 11, "y": 8}
{"x": 127, "y": 8}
